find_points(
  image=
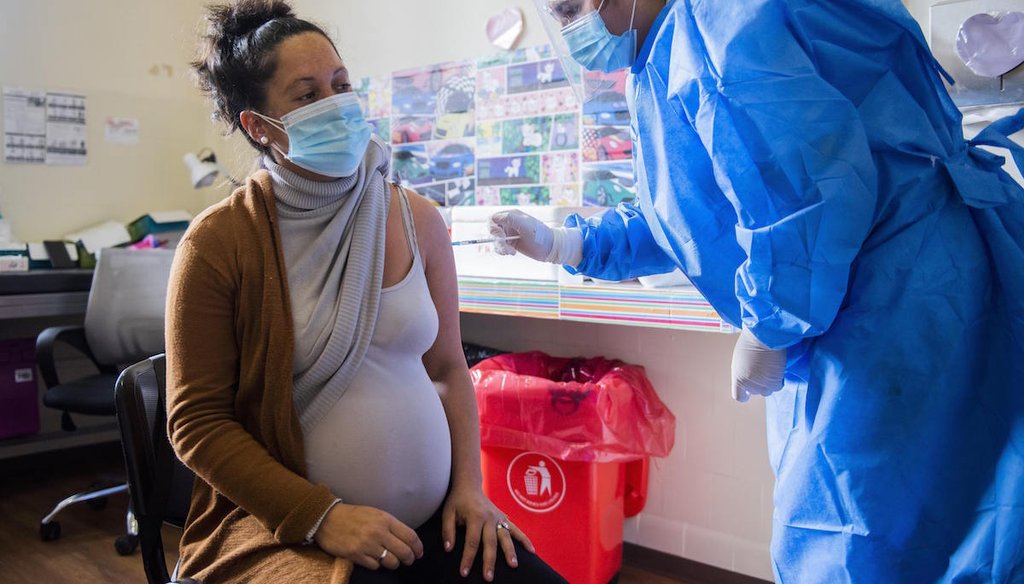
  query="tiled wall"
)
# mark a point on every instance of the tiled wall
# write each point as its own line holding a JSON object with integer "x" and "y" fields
{"x": 710, "y": 500}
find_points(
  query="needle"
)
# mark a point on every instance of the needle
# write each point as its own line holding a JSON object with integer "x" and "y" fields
{"x": 487, "y": 240}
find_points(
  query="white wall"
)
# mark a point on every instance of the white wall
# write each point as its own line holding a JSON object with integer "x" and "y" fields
{"x": 105, "y": 50}
{"x": 380, "y": 37}
{"x": 919, "y": 9}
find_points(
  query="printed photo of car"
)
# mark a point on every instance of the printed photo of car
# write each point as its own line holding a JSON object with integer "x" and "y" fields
{"x": 607, "y": 143}
{"x": 409, "y": 99}
{"x": 435, "y": 193}
{"x": 409, "y": 165}
{"x": 455, "y": 103}
{"x": 454, "y": 125}
{"x": 451, "y": 161}
{"x": 608, "y": 185}
{"x": 607, "y": 108}
{"x": 461, "y": 192}
{"x": 412, "y": 129}
{"x": 380, "y": 128}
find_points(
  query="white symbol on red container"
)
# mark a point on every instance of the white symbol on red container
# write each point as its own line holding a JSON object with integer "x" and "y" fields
{"x": 536, "y": 482}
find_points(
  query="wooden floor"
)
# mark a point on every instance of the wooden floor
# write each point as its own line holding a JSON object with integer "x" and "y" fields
{"x": 85, "y": 554}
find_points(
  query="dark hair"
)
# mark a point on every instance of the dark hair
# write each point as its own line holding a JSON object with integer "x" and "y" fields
{"x": 236, "y": 54}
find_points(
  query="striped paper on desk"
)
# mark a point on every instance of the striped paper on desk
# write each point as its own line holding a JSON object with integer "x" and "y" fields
{"x": 533, "y": 298}
{"x": 660, "y": 307}
{"x": 674, "y": 308}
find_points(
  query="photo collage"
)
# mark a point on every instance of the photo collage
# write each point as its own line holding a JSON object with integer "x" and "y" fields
{"x": 505, "y": 130}
{"x": 606, "y": 144}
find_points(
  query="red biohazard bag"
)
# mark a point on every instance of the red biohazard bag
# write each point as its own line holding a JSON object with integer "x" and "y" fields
{"x": 593, "y": 410}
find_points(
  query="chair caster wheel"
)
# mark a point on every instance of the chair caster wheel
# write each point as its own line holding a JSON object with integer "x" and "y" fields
{"x": 126, "y": 544}
{"x": 49, "y": 531}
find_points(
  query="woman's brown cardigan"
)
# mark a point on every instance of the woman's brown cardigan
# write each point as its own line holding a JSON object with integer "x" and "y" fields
{"x": 229, "y": 400}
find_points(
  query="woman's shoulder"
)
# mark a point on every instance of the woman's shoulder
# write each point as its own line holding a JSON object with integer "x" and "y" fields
{"x": 235, "y": 216}
{"x": 425, "y": 215}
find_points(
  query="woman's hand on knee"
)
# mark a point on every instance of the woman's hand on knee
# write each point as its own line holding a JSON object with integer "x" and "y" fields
{"x": 487, "y": 529}
{"x": 369, "y": 537}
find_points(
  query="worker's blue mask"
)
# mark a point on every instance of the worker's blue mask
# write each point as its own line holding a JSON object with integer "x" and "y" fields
{"x": 328, "y": 137}
{"x": 596, "y": 49}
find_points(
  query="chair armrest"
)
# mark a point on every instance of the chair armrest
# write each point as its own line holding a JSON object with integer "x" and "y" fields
{"x": 47, "y": 340}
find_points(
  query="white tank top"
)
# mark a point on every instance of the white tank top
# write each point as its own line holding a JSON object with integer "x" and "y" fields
{"x": 386, "y": 442}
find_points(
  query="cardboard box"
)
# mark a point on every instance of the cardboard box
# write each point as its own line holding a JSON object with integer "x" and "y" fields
{"x": 90, "y": 241}
{"x": 482, "y": 261}
{"x": 166, "y": 225}
{"x": 19, "y": 392}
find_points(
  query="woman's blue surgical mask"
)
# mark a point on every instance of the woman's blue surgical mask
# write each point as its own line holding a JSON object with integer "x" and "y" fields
{"x": 596, "y": 49}
{"x": 328, "y": 137}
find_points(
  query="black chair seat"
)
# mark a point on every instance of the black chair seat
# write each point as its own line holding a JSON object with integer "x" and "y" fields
{"x": 92, "y": 395}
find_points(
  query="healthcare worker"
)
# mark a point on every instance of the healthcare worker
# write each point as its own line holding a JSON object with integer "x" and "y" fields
{"x": 803, "y": 164}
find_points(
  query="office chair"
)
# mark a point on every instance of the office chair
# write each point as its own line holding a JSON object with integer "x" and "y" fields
{"x": 124, "y": 322}
{"x": 161, "y": 487}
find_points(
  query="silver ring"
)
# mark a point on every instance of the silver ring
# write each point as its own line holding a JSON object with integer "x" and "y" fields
{"x": 503, "y": 524}
{"x": 382, "y": 555}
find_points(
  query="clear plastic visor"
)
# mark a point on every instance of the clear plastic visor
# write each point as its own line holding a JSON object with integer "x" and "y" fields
{"x": 557, "y": 15}
{"x": 562, "y": 13}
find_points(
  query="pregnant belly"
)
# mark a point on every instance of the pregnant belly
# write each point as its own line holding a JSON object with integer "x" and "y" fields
{"x": 385, "y": 444}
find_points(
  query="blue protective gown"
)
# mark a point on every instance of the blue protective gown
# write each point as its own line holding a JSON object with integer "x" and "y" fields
{"x": 802, "y": 163}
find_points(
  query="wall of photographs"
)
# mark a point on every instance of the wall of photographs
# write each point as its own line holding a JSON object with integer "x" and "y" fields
{"x": 504, "y": 130}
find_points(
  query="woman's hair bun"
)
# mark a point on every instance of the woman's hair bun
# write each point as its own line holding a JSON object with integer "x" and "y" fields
{"x": 238, "y": 19}
{"x": 236, "y": 54}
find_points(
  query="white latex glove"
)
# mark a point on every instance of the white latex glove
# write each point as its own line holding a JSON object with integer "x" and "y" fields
{"x": 756, "y": 369}
{"x": 536, "y": 240}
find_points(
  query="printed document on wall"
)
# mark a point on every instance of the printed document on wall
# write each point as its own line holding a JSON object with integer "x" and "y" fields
{"x": 24, "y": 125}
{"x": 65, "y": 129}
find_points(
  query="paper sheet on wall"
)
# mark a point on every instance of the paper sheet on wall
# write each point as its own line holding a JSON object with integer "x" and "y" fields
{"x": 24, "y": 125}
{"x": 65, "y": 129}
{"x": 121, "y": 130}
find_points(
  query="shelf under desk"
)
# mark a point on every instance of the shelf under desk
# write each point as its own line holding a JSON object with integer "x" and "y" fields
{"x": 44, "y": 293}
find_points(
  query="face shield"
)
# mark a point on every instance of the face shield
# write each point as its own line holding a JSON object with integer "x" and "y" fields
{"x": 556, "y": 15}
